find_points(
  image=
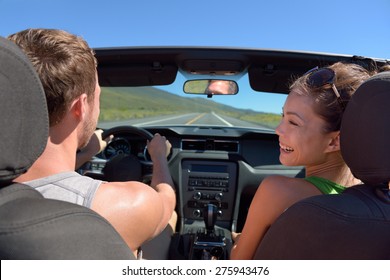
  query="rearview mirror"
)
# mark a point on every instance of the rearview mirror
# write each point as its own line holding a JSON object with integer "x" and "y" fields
{"x": 211, "y": 87}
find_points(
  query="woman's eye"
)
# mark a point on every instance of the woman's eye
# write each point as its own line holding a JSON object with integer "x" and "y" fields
{"x": 293, "y": 123}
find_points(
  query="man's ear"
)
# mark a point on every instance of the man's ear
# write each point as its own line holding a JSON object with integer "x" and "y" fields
{"x": 334, "y": 142}
{"x": 79, "y": 106}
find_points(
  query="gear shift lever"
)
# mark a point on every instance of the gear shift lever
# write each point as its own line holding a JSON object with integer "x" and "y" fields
{"x": 210, "y": 217}
{"x": 211, "y": 243}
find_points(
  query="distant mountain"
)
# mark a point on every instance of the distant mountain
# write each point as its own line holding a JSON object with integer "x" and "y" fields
{"x": 140, "y": 102}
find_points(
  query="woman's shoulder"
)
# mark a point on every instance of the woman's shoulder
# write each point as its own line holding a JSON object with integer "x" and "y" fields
{"x": 285, "y": 185}
{"x": 282, "y": 180}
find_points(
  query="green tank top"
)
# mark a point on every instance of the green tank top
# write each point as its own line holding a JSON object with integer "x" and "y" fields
{"x": 325, "y": 186}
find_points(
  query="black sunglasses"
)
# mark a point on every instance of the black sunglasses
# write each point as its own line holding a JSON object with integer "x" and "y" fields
{"x": 319, "y": 77}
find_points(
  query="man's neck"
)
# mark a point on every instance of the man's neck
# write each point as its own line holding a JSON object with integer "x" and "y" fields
{"x": 56, "y": 158}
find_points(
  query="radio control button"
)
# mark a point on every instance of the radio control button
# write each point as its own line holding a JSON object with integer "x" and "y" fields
{"x": 197, "y": 195}
{"x": 218, "y": 196}
{"x": 197, "y": 213}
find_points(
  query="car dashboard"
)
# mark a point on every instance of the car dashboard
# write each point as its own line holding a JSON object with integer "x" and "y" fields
{"x": 209, "y": 166}
{"x": 223, "y": 140}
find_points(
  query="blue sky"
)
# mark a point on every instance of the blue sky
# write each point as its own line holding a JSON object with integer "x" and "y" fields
{"x": 359, "y": 27}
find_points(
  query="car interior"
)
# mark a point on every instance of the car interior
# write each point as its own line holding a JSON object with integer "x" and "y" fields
{"x": 32, "y": 227}
{"x": 220, "y": 152}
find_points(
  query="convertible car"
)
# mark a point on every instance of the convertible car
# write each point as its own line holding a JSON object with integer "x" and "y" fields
{"x": 218, "y": 107}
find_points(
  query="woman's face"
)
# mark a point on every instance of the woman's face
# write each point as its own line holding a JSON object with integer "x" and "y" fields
{"x": 302, "y": 139}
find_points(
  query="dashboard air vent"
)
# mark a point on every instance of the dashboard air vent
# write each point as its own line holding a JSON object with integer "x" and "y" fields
{"x": 209, "y": 145}
{"x": 197, "y": 145}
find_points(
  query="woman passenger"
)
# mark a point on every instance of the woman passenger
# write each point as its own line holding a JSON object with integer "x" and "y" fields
{"x": 309, "y": 136}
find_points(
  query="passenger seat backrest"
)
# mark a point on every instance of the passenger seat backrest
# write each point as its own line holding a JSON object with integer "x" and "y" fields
{"x": 352, "y": 225}
{"x": 356, "y": 223}
{"x": 32, "y": 227}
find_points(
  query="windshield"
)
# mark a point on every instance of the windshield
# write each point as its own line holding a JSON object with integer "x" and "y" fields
{"x": 170, "y": 106}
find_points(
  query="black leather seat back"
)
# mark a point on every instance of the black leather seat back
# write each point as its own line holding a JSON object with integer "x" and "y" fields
{"x": 355, "y": 224}
{"x": 32, "y": 227}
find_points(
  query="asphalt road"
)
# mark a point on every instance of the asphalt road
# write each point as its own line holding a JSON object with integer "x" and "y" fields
{"x": 201, "y": 119}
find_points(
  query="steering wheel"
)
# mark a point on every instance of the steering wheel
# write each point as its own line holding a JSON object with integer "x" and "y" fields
{"x": 128, "y": 129}
{"x": 128, "y": 167}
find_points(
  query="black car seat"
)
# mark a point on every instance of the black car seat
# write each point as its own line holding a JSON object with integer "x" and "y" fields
{"x": 355, "y": 224}
{"x": 32, "y": 227}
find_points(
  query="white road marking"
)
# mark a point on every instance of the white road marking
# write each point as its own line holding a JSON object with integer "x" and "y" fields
{"x": 221, "y": 119}
{"x": 160, "y": 120}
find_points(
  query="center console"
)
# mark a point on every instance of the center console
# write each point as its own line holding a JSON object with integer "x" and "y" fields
{"x": 208, "y": 182}
{"x": 207, "y": 200}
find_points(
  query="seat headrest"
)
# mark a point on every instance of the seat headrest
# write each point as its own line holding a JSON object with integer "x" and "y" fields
{"x": 365, "y": 131}
{"x": 24, "y": 120}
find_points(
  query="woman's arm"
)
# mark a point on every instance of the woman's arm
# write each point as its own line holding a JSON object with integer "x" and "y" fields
{"x": 274, "y": 195}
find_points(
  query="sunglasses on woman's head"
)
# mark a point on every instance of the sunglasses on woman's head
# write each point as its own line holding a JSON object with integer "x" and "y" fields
{"x": 319, "y": 77}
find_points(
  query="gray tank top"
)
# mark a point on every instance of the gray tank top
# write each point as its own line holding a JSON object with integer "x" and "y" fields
{"x": 67, "y": 186}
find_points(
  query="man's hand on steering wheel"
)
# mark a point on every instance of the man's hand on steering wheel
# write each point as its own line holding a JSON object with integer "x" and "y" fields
{"x": 159, "y": 147}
